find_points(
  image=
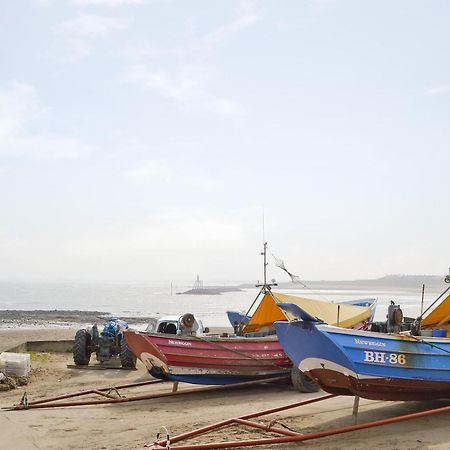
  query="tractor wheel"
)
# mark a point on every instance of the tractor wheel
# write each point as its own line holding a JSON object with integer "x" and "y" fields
{"x": 301, "y": 382}
{"x": 81, "y": 350}
{"x": 127, "y": 358}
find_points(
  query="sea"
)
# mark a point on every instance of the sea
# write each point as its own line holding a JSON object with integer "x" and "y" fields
{"x": 159, "y": 299}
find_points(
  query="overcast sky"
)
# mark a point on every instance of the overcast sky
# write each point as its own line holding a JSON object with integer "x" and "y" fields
{"x": 141, "y": 139}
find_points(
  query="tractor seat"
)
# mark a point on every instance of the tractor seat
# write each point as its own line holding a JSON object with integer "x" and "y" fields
{"x": 171, "y": 329}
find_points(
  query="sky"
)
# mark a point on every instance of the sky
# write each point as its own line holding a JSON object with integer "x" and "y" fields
{"x": 160, "y": 139}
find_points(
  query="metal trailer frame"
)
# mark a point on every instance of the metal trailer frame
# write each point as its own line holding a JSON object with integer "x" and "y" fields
{"x": 113, "y": 396}
{"x": 287, "y": 436}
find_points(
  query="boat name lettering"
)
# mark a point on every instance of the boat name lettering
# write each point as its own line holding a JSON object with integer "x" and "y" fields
{"x": 188, "y": 344}
{"x": 383, "y": 358}
{"x": 372, "y": 343}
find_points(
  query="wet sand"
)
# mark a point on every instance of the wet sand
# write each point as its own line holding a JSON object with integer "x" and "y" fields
{"x": 131, "y": 425}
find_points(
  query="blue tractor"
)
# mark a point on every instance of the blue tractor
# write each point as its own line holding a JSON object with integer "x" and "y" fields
{"x": 109, "y": 343}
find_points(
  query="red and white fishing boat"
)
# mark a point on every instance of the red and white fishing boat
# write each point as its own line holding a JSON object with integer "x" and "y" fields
{"x": 178, "y": 350}
{"x": 213, "y": 359}
{"x": 209, "y": 360}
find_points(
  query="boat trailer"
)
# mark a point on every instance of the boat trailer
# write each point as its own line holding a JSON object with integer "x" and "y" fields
{"x": 112, "y": 395}
{"x": 286, "y": 435}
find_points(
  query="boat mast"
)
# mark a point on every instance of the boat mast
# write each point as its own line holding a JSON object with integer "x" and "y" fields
{"x": 265, "y": 263}
{"x": 265, "y": 287}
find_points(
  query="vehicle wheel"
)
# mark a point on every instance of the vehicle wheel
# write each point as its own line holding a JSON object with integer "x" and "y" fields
{"x": 301, "y": 382}
{"x": 127, "y": 358}
{"x": 81, "y": 350}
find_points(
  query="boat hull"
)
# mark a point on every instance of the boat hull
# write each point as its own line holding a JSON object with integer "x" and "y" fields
{"x": 209, "y": 360}
{"x": 237, "y": 318}
{"x": 371, "y": 365}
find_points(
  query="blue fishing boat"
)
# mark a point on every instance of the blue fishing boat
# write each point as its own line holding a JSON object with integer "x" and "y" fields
{"x": 238, "y": 318}
{"x": 379, "y": 366}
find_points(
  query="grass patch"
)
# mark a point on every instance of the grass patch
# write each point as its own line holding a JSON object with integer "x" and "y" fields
{"x": 39, "y": 356}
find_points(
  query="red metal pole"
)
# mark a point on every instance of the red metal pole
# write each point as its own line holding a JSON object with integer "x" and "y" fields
{"x": 93, "y": 391}
{"x": 292, "y": 405}
{"x": 44, "y": 404}
{"x": 216, "y": 425}
{"x": 305, "y": 437}
{"x": 267, "y": 428}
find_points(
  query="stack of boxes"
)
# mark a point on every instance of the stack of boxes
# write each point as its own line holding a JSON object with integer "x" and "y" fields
{"x": 16, "y": 364}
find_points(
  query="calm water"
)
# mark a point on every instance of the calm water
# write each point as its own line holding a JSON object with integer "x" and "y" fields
{"x": 156, "y": 299}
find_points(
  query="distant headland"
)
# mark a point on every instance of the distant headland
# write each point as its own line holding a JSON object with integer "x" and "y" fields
{"x": 387, "y": 282}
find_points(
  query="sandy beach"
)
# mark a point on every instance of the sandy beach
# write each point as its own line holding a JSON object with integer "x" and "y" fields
{"x": 259, "y": 170}
{"x": 131, "y": 425}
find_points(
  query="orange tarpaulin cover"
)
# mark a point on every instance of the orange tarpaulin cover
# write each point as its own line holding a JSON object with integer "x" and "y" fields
{"x": 439, "y": 316}
{"x": 268, "y": 312}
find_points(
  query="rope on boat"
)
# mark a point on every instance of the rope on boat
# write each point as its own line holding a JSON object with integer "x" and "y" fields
{"x": 264, "y": 361}
{"x": 295, "y": 278}
{"x": 421, "y": 316}
{"x": 430, "y": 344}
{"x": 241, "y": 323}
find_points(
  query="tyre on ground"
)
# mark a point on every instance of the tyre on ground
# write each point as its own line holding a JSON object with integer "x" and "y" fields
{"x": 127, "y": 358}
{"x": 81, "y": 350}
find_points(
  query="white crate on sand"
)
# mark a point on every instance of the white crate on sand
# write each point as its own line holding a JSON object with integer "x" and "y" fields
{"x": 18, "y": 364}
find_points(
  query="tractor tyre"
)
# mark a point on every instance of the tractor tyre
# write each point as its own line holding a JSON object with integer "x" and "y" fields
{"x": 81, "y": 348}
{"x": 127, "y": 358}
{"x": 301, "y": 382}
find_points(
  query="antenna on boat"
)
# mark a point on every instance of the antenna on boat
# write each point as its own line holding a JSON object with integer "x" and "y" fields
{"x": 265, "y": 286}
{"x": 263, "y": 228}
